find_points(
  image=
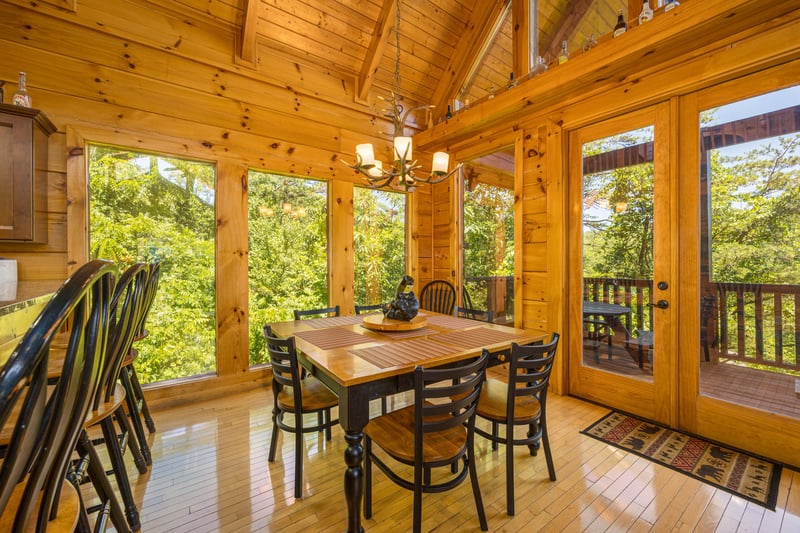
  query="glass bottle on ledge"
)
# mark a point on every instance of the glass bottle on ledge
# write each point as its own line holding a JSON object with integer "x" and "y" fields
{"x": 511, "y": 81}
{"x": 671, "y": 4}
{"x": 621, "y": 26}
{"x": 21, "y": 96}
{"x": 563, "y": 55}
{"x": 449, "y": 114}
{"x": 539, "y": 66}
{"x": 590, "y": 43}
{"x": 491, "y": 92}
{"x": 647, "y": 13}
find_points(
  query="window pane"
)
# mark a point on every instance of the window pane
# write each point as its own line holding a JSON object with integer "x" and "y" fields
{"x": 287, "y": 257}
{"x": 618, "y": 224}
{"x": 145, "y": 207}
{"x": 489, "y": 236}
{"x": 750, "y": 258}
{"x": 379, "y": 244}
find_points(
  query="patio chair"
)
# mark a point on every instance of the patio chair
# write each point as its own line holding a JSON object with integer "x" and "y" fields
{"x": 475, "y": 314}
{"x": 437, "y": 431}
{"x": 522, "y": 401}
{"x": 367, "y": 308}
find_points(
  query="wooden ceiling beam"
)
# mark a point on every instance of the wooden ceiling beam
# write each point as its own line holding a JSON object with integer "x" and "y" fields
{"x": 467, "y": 51}
{"x": 523, "y": 14}
{"x": 377, "y": 46}
{"x": 574, "y": 12}
{"x": 248, "y": 41}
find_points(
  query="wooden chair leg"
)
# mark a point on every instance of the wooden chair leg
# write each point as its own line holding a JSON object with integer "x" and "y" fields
{"x": 141, "y": 402}
{"x": 101, "y": 483}
{"x": 494, "y": 436}
{"x": 130, "y": 440}
{"x": 273, "y": 441}
{"x": 328, "y": 431}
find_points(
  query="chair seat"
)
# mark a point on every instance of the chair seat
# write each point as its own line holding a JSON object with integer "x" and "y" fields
{"x": 394, "y": 433}
{"x": 107, "y": 408}
{"x": 69, "y": 508}
{"x": 130, "y": 357}
{"x": 316, "y": 396}
{"x": 492, "y": 405}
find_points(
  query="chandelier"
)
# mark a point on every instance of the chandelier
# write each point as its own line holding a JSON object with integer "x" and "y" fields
{"x": 401, "y": 174}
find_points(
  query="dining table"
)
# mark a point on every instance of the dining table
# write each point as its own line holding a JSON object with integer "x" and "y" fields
{"x": 360, "y": 361}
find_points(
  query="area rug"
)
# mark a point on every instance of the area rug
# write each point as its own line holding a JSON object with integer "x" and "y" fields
{"x": 731, "y": 470}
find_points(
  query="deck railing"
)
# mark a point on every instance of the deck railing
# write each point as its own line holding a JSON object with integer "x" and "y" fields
{"x": 748, "y": 322}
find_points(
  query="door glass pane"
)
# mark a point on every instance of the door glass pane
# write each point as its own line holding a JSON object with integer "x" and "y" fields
{"x": 145, "y": 207}
{"x": 750, "y": 259}
{"x": 489, "y": 235}
{"x": 287, "y": 251}
{"x": 618, "y": 253}
{"x": 379, "y": 244}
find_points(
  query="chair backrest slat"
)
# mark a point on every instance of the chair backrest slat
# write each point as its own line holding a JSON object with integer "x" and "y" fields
{"x": 285, "y": 368}
{"x": 324, "y": 311}
{"x": 529, "y": 370}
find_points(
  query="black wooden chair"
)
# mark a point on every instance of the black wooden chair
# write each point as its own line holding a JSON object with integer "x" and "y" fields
{"x": 297, "y": 397}
{"x": 321, "y": 312}
{"x": 642, "y": 340}
{"x": 134, "y": 395}
{"x": 40, "y": 424}
{"x": 475, "y": 314}
{"x": 108, "y": 406}
{"x": 360, "y": 309}
{"x": 437, "y": 431}
{"x": 522, "y": 401}
{"x": 438, "y": 296}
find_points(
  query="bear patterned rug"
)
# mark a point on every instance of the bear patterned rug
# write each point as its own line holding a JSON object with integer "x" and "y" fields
{"x": 744, "y": 475}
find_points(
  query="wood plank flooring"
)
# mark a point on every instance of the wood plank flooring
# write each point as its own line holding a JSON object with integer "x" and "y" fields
{"x": 210, "y": 473}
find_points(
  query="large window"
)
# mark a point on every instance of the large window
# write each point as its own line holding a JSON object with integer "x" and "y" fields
{"x": 379, "y": 244}
{"x": 750, "y": 263}
{"x": 146, "y": 207}
{"x": 287, "y": 221}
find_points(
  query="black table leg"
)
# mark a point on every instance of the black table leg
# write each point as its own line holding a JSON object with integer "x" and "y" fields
{"x": 354, "y": 480}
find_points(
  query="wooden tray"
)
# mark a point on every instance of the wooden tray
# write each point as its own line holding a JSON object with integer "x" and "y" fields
{"x": 379, "y": 322}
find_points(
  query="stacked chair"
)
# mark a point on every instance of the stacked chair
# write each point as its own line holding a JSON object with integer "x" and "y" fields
{"x": 134, "y": 396}
{"x": 40, "y": 422}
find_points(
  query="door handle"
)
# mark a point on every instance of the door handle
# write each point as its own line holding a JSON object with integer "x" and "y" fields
{"x": 661, "y": 304}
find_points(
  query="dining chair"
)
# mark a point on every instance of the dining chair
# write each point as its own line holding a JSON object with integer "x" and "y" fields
{"x": 521, "y": 401}
{"x": 438, "y": 296}
{"x": 436, "y": 431}
{"x": 643, "y": 341}
{"x": 40, "y": 422}
{"x": 323, "y": 311}
{"x": 360, "y": 309}
{"x": 475, "y": 314}
{"x": 134, "y": 395}
{"x": 293, "y": 395}
{"x": 108, "y": 409}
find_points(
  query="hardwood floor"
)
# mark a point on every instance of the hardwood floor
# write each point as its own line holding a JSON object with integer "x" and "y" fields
{"x": 210, "y": 473}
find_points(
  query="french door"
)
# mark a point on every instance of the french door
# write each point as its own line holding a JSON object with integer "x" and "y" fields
{"x": 623, "y": 266}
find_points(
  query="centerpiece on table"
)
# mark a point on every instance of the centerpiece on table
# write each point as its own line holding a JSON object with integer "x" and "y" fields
{"x": 401, "y": 313}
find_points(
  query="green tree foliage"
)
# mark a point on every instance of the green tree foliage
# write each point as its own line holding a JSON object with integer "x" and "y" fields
{"x": 149, "y": 208}
{"x": 755, "y": 213}
{"x": 488, "y": 239}
{"x": 378, "y": 244}
{"x": 287, "y": 259}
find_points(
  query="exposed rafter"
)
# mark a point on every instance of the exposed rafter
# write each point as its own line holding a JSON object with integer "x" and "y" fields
{"x": 376, "y": 48}
{"x": 248, "y": 50}
{"x": 574, "y": 11}
{"x": 467, "y": 51}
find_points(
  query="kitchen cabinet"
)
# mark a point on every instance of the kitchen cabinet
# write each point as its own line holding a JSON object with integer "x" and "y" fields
{"x": 24, "y": 134}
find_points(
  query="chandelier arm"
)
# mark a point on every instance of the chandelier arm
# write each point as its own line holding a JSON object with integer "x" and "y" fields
{"x": 432, "y": 181}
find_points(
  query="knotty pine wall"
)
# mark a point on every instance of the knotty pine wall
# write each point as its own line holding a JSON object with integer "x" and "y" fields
{"x": 164, "y": 76}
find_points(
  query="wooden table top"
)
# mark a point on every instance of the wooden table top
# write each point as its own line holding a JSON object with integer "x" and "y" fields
{"x": 352, "y": 354}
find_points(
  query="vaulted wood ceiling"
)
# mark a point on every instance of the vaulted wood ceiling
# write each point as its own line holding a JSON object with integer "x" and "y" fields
{"x": 448, "y": 48}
